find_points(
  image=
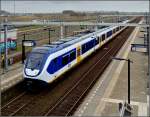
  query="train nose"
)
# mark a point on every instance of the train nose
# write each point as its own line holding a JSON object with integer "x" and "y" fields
{"x": 31, "y": 72}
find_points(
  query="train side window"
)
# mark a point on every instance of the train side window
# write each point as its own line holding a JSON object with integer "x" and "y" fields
{"x": 90, "y": 44}
{"x": 72, "y": 55}
{"x": 103, "y": 37}
{"x": 96, "y": 40}
{"x": 52, "y": 67}
{"x": 55, "y": 64}
{"x": 99, "y": 39}
{"x": 93, "y": 41}
{"x": 65, "y": 60}
{"x": 109, "y": 33}
{"x": 113, "y": 30}
{"x": 55, "y": 60}
{"x": 83, "y": 48}
{"x": 87, "y": 46}
{"x": 117, "y": 28}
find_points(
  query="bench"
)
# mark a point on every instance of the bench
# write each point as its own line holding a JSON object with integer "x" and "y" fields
{"x": 137, "y": 46}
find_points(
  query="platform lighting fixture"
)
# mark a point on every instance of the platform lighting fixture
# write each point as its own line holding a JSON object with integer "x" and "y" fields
{"x": 129, "y": 61}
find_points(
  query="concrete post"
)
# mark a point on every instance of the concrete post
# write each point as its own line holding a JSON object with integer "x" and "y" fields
{"x": 61, "y": 32}
{"x": 149, "y": 52}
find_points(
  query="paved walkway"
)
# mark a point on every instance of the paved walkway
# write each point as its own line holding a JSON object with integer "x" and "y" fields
{"x": 10, "y": 77}
{"x": 111, "y": 88}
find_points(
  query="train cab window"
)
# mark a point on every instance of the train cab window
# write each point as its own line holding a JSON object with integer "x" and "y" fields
{"x": 35, "y": 60}
{"x": 65, "y": 60}
{"x": 103, "y": 37}
{"x": 72, "y": 55}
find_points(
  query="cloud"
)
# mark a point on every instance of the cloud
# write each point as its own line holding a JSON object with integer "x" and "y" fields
{"x": 58, "y": 6}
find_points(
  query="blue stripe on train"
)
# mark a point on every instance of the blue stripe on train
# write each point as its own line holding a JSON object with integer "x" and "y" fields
{"x": 61, "y": 61}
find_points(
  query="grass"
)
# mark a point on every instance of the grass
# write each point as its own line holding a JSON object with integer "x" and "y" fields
{"x": 41, "y": 34}
{"x": 28, "y": 27}
{"x": 44, "y": 36}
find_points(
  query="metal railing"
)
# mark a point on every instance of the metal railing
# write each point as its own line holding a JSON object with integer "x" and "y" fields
{"x": 73, "y": 24}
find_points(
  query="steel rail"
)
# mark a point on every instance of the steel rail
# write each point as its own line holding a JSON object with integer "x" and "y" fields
{"x": 13, "y": 100}
{"x": 81, "y": 79}
{"x": 103, "y": 67}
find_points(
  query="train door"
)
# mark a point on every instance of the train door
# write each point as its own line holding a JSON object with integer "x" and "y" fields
{"x": 100, "y": 41}
{"x": 78, "y": 54}
{"x": 103, "y": 38}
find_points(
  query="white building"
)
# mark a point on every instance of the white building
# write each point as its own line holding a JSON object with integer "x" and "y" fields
{"x": 11, "y": 34}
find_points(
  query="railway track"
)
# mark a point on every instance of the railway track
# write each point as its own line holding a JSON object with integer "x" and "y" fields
{"x": 64, "y": 104}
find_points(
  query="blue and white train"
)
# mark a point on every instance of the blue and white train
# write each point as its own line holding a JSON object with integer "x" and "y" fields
{"x": 48, "y": 62}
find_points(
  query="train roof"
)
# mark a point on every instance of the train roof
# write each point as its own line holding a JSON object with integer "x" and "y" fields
{"x": 63, "y": 43}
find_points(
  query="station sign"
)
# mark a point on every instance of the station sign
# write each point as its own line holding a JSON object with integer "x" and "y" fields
{"x": 29, "y": 43}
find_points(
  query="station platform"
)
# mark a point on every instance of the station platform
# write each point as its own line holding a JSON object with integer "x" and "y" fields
{"x": 111, "y": 88}
{"x": 12, "y": 76}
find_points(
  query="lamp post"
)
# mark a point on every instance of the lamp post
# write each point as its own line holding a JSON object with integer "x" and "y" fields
{"x": 49, "y": 33}
{"x": 23, "y": 48}
{"x": 129, "y": 61}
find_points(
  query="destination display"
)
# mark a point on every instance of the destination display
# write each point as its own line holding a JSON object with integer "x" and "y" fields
{"x": 29, "y": 43}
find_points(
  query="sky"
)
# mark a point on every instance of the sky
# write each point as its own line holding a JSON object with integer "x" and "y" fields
{"x": 58, "y": 6}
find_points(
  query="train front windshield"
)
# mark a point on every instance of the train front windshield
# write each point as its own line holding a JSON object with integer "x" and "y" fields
{"x": 34, "y": 61}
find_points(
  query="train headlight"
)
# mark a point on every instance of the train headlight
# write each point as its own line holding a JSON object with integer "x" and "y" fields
{"x": 32, "y": 72}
